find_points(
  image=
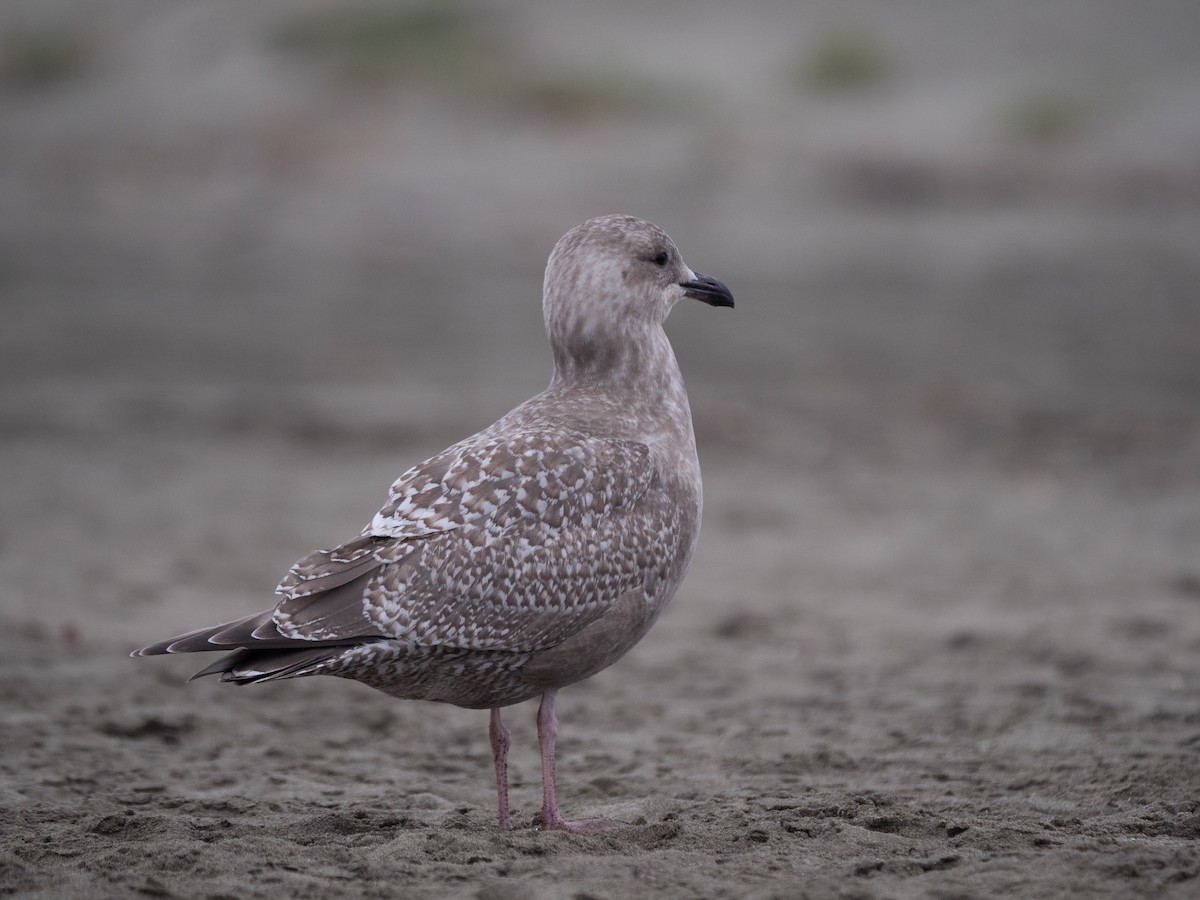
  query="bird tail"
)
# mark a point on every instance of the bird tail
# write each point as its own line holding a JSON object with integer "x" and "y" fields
{"x": 254, "y": 666}
{"x": 260, "y": 651}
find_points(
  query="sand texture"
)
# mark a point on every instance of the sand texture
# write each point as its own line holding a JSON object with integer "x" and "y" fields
{"x": 941, "y": 637}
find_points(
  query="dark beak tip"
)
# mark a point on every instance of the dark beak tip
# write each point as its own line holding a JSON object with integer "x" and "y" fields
{"x": 708, "y": 290}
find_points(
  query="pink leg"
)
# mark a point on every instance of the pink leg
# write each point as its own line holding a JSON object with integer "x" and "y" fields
{"x": 500, "y": 740}
{"x": 547, "y": 724}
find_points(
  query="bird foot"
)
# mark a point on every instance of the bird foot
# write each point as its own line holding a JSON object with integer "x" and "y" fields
{"x": 583, "y": 826}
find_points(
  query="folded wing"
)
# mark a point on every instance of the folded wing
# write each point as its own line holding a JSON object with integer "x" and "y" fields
{"x": 495, "y": 544}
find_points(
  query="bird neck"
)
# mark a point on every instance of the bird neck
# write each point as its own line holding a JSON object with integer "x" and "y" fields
{"x": 635, "y": 381}
{"x": 633, "y": 358}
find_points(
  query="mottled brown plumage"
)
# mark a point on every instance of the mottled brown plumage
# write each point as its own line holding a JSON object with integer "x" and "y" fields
{"x": 528, "y": 556}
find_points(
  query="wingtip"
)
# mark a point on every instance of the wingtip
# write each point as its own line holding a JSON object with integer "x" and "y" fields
{"x": 152, "y": 650}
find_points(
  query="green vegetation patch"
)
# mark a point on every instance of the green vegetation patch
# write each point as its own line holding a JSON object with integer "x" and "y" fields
{"x": 587, "y": 93}
{"x": 845, "y": 60}
{"x": 1045, "y": 117}
{"x": 387, "y": 41}
{"x": 450, "y": 46}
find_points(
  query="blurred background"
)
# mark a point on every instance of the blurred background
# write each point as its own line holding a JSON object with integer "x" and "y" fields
{"x": 257, "y": 258}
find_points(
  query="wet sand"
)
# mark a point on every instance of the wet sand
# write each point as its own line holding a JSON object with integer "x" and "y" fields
{"x": 941, "y": 636}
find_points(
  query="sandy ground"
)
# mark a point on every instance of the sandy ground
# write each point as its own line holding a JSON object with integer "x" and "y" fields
{"x": 942, "y": 634}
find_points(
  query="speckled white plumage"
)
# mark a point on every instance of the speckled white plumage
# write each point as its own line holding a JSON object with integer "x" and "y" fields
{"x": 536, "y": 552}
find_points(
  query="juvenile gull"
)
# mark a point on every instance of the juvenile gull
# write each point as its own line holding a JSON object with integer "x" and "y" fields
{"x": 533, "y": 554}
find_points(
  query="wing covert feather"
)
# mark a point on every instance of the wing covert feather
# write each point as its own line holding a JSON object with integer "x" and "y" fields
{"x": 511, "y": 544}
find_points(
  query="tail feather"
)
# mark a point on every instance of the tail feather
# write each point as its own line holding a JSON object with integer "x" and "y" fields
{"x": 321, "y": 614}
{"x": 223, "y": 665}
{"x": 252, "y": 667}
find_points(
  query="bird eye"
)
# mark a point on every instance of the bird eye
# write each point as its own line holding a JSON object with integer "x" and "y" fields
{"x": 661, "y": 259}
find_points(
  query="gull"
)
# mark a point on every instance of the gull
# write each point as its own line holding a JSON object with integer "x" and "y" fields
{"x": 533, "y": 554}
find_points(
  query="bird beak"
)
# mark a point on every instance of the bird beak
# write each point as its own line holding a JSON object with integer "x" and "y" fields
{"x": 708, "y": 290}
